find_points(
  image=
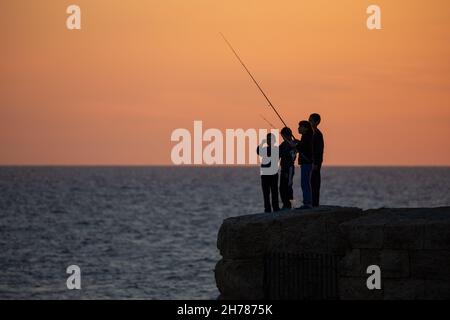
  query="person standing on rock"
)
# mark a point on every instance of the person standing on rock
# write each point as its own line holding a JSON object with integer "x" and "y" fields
{"x": 305, "y": 160}
{"x": 318, "y": 146}
{"x": 269, "y": 172}
{"x": 287, "y": 160}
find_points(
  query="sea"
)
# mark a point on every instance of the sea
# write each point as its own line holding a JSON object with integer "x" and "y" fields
{"x": 151, "y": 232}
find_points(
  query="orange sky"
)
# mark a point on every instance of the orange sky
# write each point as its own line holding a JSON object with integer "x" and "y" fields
{"x": 113, "y": 92}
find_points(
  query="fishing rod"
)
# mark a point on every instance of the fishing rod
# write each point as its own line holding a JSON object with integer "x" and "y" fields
{"x": 251, "y": 76}
{"x": 273, "y": 127}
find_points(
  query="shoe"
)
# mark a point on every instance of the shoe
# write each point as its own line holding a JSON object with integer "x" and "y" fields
{"x": 286, "y": 208}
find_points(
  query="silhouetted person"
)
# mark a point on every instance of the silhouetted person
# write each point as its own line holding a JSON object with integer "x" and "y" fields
{"x": 318, "y": 146}
{"x": 287, "y": 158}
{"x": 305, "y": 159}
{"x": 269, "y": 182}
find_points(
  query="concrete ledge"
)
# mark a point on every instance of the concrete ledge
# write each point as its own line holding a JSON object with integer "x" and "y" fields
{"x": 315, "y": 230}
{"x": 243, "y": 242}
{"x": 411, "y": 247}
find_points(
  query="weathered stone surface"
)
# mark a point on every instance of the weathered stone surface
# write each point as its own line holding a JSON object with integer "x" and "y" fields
{"x": 336, "y": 241}
{"x": 431, "y": 264}
{"x": 300, "y": 232}
{"x": 393, "y": 263}
{"x": 313, "y": 230}
{"x": 437, "y": 235}
{"x": 350, "y": 264}
{"x": 247, "y": 236}
{"x": 403, "y": 235}
{"x": 403, "y": 289}
{"x": 391, "y": 289}
{"x": 369, "y": 257}
{"x": 356, "y": 289}
{"x": 240, "y": 279}
{"x": 411, "y": 247}
{"x": 437, "y": 290}
{"x": 365, "y": 232}
{"x": 414, "y": 228}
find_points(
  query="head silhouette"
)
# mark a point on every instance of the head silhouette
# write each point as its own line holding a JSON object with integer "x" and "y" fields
{"x": 286, "y": 133}
{"x": 304, "y": 127}
{"x": 314, "y": 119}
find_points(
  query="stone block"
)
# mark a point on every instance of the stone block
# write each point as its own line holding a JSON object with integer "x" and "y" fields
{"x": 403, "y": 235}
{"x": 240, "y": 279}
{"x": 392, "y": 263}
{"x": 356, "y": 289}
{"x": 350, "y": 264}
{"x": 430, "y": 264}
{"x": 437, "y": 290}
{"x": 437, "y": 235}
{"x": 403, "y": 289}
{"x": 313, "y": 230}
{"x": 363, "y": 236}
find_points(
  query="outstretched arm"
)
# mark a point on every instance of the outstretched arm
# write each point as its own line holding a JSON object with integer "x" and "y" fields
{"x": 261, "y": 145}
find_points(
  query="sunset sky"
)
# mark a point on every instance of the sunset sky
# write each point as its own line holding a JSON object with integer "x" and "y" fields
{"x": 113, "y": 92}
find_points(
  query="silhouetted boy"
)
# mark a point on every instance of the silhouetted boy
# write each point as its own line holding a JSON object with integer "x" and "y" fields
{"x": 305, "y": 159}
{"x": 287, "y": 158}
{"x": 318, "y": 146}
{"x": 269, "y": 172}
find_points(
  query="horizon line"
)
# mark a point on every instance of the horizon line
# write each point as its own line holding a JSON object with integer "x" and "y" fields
{"x": 227, "y": 166}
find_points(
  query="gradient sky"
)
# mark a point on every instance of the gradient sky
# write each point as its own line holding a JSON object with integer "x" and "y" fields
{"x": 113, "y": 92}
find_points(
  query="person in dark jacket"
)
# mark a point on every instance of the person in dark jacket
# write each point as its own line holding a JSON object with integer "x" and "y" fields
{"x": 269, "y": 172}
{"x": 318, "y": 146}
{"x": 287, "y": 160}
{"x": 305, "y": 159}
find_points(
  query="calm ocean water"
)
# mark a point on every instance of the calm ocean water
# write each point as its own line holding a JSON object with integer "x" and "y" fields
{"x": 150, "y": 232}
